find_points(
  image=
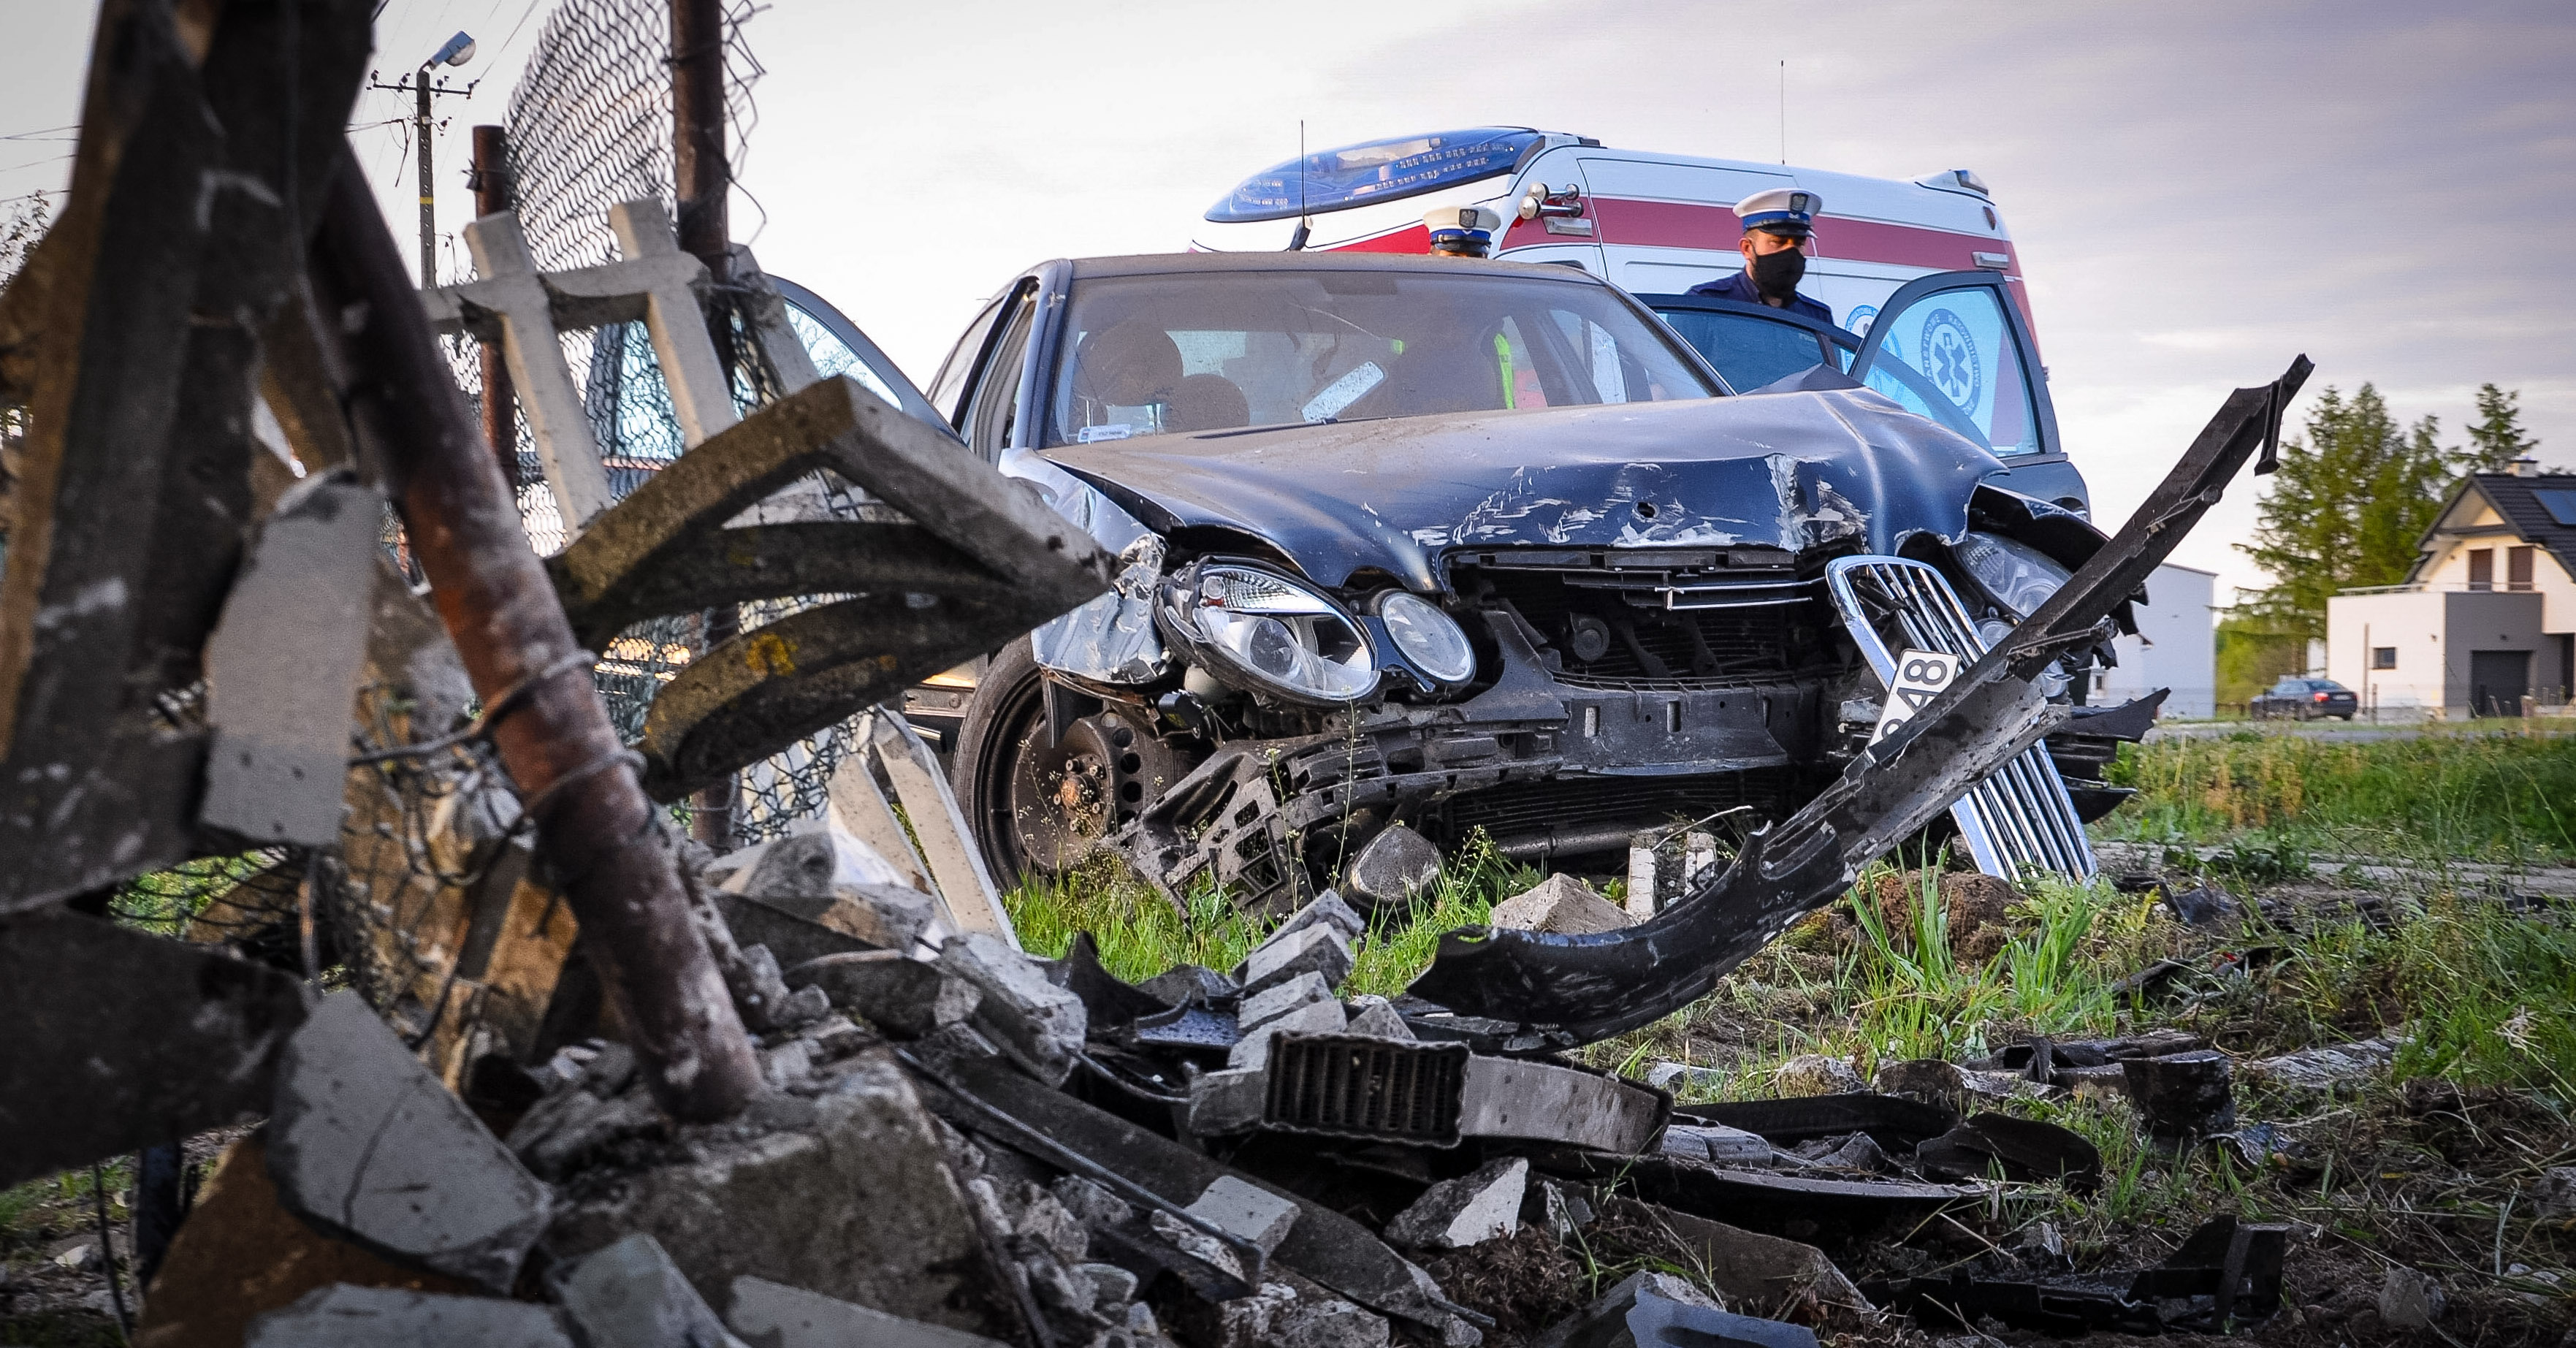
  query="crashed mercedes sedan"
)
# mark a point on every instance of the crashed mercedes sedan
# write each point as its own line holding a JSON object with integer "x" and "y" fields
{"x": 1475, "y": 545}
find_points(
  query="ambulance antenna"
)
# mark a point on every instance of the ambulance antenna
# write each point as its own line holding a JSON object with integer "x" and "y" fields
{"x": 1305, "y": 227}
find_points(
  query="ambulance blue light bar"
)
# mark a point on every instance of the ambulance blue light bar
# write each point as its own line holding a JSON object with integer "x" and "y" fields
{"x": 1374, "y": 171}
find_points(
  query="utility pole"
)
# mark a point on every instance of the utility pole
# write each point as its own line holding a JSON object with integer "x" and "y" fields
{"x": 455, "y": 52}
{"x": 703, "y": 179}
{"x": 490, "y": 181}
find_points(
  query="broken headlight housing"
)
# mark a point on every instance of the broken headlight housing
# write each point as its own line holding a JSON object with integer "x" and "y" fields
{"x": 2017, "y": 576}
{"x": 1266, "y": 634}
{"x": 1428, "y": 639}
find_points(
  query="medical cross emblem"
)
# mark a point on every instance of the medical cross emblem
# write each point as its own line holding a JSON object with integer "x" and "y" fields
{"x": 1950, "y": 357}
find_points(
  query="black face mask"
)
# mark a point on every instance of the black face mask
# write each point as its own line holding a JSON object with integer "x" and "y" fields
{"x": 1776, "y": 275}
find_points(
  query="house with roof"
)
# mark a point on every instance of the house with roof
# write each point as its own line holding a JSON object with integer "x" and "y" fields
{"x": 2486, "y": 619}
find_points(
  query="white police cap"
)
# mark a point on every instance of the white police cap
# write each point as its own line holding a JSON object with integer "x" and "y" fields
{"x": 1453, "y": 226}
{"x": 1782, "y": 210}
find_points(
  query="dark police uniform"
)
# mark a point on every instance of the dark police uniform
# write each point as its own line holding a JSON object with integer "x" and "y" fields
{"x": 1739, "y": 286}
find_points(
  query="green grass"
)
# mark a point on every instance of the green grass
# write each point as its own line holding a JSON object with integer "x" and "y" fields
{"x": 1140, "y": 934}
{"x": 1873, "y": 988}
{"x": 2442, "y": 794}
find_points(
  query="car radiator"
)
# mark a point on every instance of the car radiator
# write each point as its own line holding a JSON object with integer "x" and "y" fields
{"x": 2021, "y": 816}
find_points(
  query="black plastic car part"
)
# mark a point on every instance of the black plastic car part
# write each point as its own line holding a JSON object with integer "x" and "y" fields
{"x": 1523, "y": 992}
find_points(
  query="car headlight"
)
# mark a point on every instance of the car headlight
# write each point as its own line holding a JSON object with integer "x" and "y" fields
{"x": 1266, "y": 633}
{"x": 1428, "y": 639}
{"x": 2016, "y": 575}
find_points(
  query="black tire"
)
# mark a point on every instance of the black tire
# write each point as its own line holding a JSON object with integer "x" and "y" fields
{"x": 1007, "y": 707}
{"x": 1037, "y": 810}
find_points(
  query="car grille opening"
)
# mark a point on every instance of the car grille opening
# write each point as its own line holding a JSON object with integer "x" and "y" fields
{"x": 1661, "y": 630}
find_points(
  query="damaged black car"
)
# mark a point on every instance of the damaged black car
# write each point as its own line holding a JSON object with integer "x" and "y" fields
{"x": 1467, "y": 546}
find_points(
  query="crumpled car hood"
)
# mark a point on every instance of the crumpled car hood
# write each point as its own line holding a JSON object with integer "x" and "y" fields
{"x": 1786, "y": 470}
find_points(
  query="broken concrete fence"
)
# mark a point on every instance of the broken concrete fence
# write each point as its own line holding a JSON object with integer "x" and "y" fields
{"x": 773, "y": 1315}
{"x": 841, "y": 1187}
{"x": 1319, "y": 949}
{"x": 383, "y": 1317}
{"x": 630, "y": 1295}
{"x": 1038, "y": 1025}
{"x": 1469, "y": 1210}
{"x": 1563, "y": 905}
{"x": 899, "y": 995}
{"x": 365, "y": 1143}
{"x": 1252, "y": 1213}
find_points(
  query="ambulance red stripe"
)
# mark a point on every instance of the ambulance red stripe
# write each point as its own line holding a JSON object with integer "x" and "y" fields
{"x": 1674, "y": 224}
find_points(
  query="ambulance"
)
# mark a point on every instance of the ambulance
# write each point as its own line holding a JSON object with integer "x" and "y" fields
{"x": 1932, "y": 252}
{"x": 1649, "y": 223}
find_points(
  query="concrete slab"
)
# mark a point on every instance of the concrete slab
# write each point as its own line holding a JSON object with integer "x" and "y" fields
{"x": 383, "y": 1317}
{"x": 1469, "y": 1210}
{"x": 365, "y": 1143}
{"x": 773, "y": 1315}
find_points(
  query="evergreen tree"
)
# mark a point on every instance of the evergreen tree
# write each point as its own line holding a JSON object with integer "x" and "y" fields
{"x": 2496, "y": 438}
{"x": 2353, "y": 496}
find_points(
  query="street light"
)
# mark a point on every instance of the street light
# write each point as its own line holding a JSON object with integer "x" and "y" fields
{"x": 456, "y": 52}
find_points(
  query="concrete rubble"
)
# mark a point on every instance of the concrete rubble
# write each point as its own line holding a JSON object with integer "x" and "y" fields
{"x": 1469, "y": 1210}
{"x": 889, "y": 1183}
{"x": 366, "y": 1144}
{"x": 1394, "y": 867}
{"x": 1563, "y": 905}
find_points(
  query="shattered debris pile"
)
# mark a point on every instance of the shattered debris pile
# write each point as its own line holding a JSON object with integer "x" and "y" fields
{"x": 959, "y": 1143}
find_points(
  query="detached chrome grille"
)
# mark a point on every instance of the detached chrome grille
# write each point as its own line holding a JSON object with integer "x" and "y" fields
{"x": 2021, "y": 815}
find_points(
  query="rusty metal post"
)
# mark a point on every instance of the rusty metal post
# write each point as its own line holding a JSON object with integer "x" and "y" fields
{"x": 704, "y": 181}
{"x": 500, "y": 402}
{"x": 595, "y": 827}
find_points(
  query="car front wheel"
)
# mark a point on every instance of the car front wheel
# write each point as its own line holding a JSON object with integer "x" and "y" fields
{"x": 1039, "y": 809}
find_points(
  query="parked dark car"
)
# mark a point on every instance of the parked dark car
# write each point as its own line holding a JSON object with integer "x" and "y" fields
{"x": 2302, "y": 699}
{"x": 1477, "y": 545}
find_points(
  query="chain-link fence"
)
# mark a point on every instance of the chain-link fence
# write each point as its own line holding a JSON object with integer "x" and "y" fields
{"x": 590, "y": 125}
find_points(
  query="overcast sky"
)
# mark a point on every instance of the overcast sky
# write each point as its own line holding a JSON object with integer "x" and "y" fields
{"x": 2199, "y": 191}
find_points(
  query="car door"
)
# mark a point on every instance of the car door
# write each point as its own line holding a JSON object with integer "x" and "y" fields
{"x": 837, "y": 346}
{"x": 1753, "y": 345}
{"x": 1954, "y": 347}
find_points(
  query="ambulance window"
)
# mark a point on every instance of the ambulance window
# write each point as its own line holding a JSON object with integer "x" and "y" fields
{"x": 997, "y": 394}
{"x": 1957, "y": 345}
{"x": 948, "y": 387}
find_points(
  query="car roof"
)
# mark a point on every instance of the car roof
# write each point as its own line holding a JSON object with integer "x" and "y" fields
{"x": 1164, "y": 264}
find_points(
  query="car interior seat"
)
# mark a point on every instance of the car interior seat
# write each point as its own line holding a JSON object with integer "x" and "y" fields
{"x": 1127, "y": 364}
{"x": 1207, "y": 402}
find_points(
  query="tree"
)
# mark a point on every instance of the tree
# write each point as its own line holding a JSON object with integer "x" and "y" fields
{"x": 2353, "y": 497}
{"x": 2496, "y": 438}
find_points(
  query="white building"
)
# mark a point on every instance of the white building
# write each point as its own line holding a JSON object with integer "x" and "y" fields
{"x": 2488, "y": 616}
{"x": 2176, "y": 647}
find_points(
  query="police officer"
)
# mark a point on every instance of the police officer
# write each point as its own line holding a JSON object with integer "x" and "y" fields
{"x": 1779, "y": 229}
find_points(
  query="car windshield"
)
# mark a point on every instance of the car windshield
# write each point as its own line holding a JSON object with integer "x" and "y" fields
{"x": 1215, "y": 350}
